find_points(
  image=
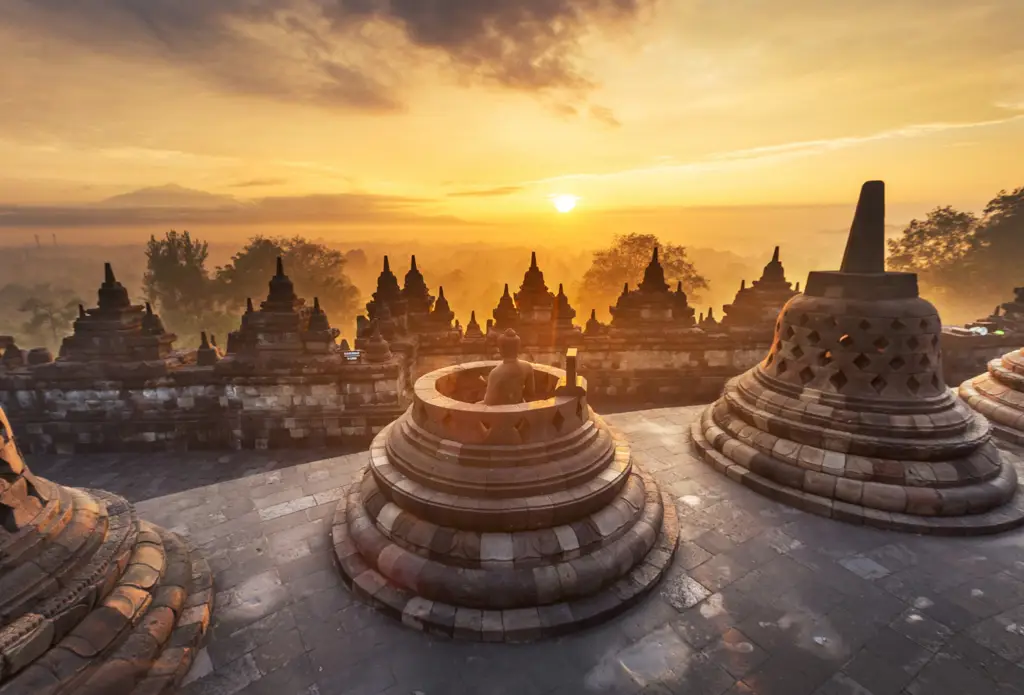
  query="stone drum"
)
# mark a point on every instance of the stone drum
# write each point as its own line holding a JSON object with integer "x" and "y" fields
{"x": 998, "y": 394}
{"x": 93, "y": 601}
{"x": 848, "y": 415}
{"x": 506, "y": 522}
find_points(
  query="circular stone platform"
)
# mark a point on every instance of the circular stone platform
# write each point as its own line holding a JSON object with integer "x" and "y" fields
{"x": 502, "y": 523}
{"x": 998, "y": 394}
{"x": 848, "y": 415}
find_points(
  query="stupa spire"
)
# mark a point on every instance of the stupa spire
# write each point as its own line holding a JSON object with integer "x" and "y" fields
{"x": 865, "y": 247}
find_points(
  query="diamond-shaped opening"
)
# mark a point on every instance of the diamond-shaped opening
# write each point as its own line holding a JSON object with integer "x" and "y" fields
{"x": 924, "y": 324}
{"x": 881, "y": 343}
{"x": 935, "y": 341}
{"x": 838, "y": 380}
{"x": 935, "y": 381}
{"x": 861, "y": 361}
{"x": 879, "y": 384}
{"x": 898, "y": 325}
{"x": 813, "y": 338}
{"x": 897, "y": 362}
{"x": 825, "y": 359}
{"x": 446, "y": 421}
{"x": 846, "y": 340}
{"x": 788, "y": 333}
{"x": 913, "y": 384}
{"x": 913, "y": 343}
{"x": 797, "y": 351}
{"x": 781, "y": 366}
{"x": 864, "y": 325}
{"x": 485, "y": 429}
{"x": 803, "y": 320}
{"x": 829, "y": 321}
{"x": 558, "y": 421}
{"x": 806, "y": 375}
{"x": 925, "y": 361}
{"x": 523, "y": 428}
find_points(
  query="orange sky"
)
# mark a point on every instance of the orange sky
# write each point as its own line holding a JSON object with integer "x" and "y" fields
{"x": 311, "y": 112}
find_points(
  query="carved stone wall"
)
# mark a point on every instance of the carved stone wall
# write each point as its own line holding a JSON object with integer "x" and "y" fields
{"x": 106, "y": 409}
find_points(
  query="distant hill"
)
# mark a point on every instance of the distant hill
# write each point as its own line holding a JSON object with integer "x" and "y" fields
{"x": 170, "y": 196}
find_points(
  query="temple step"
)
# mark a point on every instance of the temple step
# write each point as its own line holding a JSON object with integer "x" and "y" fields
{"x": 146, "y": 628}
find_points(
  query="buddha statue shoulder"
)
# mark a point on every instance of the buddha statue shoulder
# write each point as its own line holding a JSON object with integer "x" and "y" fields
{"x": 511, "y": 381}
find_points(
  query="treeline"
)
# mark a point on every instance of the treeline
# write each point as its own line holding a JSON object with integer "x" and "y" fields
{"x": 965, "y": 261}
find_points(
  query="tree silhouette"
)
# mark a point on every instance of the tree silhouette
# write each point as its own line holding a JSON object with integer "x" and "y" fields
{"x": 51, "y": 313}
{"x": 624, "y": 262}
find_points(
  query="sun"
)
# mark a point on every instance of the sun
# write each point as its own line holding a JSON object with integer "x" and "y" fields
{"x": 564, "y": 202}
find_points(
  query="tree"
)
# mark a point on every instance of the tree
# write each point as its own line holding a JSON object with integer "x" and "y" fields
{"x": 625, "y": 261}
{"x": 315, "y": 269}
{"x": 51, "y": 313}
{"x": 1000, "y": 243}
{"x": 179, "y": 286}
{"x": 938, "y": 248}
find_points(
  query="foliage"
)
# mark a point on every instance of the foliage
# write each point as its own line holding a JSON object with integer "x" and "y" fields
{"x": 50, "y": 315}
{"x": 625, "y": 260}
{"x": 315, "y": 269}
{"x": 964, "y": 258}
{"x": 179, "y": 286}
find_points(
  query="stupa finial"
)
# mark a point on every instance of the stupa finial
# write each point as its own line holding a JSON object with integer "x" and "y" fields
{"x": 775, "y": 255}
{"x": 108, "y": 274}
{"x": 280, "y": 267}
{"x": 865, "y": 247}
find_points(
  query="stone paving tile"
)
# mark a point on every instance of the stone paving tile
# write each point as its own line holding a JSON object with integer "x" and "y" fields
{"x": 826, "y": 608}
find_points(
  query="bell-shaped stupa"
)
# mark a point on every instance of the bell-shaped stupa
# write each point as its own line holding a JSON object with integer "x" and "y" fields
{"x": 848, "y": 415}
{"x": 998, "y": 394}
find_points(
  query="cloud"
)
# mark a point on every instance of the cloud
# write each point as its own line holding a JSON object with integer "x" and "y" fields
{"x": 787, "y": 151}
{"x": 256, "y": 183}
{"x": 339, "y": 209}
{"x": 605, "y": 115}
{"x": 333, "y": 52}
{"x": 487, "y": 192}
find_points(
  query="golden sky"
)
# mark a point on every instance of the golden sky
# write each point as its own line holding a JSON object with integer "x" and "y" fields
{"x": 373, "y": 113}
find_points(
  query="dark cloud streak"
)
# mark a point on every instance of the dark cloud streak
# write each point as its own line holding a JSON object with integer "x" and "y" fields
{"x": 486, "y": 192}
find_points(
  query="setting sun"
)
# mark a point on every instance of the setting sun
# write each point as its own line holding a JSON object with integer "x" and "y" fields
{"x": 564, "y": 202}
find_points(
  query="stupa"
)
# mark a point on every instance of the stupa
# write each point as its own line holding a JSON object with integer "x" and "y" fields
{"x": 417, "y": 299}
{"x": 652, "y": 307}
{"x": 755, "y": 308}
{"x": 389, "y": 302}
{"x": 848, "y": 415}
{"x": 283, "y": 330}
{"x": 507, "y": 522}
{"x": 116, "y": 331}
{"x": 93, "y": 600}
{"x": 998, "y": 394}
{"x": 505, "y": 314}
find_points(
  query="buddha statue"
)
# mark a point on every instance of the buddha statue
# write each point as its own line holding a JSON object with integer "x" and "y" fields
{"x": 511, "y": 381}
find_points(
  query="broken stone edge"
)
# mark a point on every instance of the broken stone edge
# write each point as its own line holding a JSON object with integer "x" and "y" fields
{"x": 510, "y": 625}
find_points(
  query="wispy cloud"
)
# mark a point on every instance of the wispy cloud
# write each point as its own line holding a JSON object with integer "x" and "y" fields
{"x": 784, "y": 152}
{"x": 256, "y": 183}
{"x": 486, "y": 192}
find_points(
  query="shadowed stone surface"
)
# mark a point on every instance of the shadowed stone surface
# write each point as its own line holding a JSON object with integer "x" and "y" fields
{"x": 92, "y": 600}
{"x": 787, "y": 614}
{"x": 848, "y": 416}
{"x": 502, "y": 520}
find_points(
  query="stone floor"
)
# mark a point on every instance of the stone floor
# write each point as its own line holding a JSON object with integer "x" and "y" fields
{"x": 760, "y": 599}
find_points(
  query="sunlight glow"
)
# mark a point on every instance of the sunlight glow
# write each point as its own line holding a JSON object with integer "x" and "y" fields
{"x": 564, "y": 202}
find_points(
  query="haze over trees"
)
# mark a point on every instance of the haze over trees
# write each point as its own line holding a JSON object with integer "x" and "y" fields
{"x": 191, "y": 298}
{"x": 962, "y": 259}
{"x": 624, "y": 262}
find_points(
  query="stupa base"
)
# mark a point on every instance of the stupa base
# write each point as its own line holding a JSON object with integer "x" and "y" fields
{"x": 1009, "y": 516}
{"x": 392, "y": 596}
{"x": 1002, "y": 404}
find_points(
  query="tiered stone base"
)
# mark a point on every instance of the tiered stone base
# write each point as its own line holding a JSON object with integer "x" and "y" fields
{"x": 947, "y": 485}
{"x": 520, "y": 585}
{"x": 96, "y": 602}
{"x": 999, "y": 395}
